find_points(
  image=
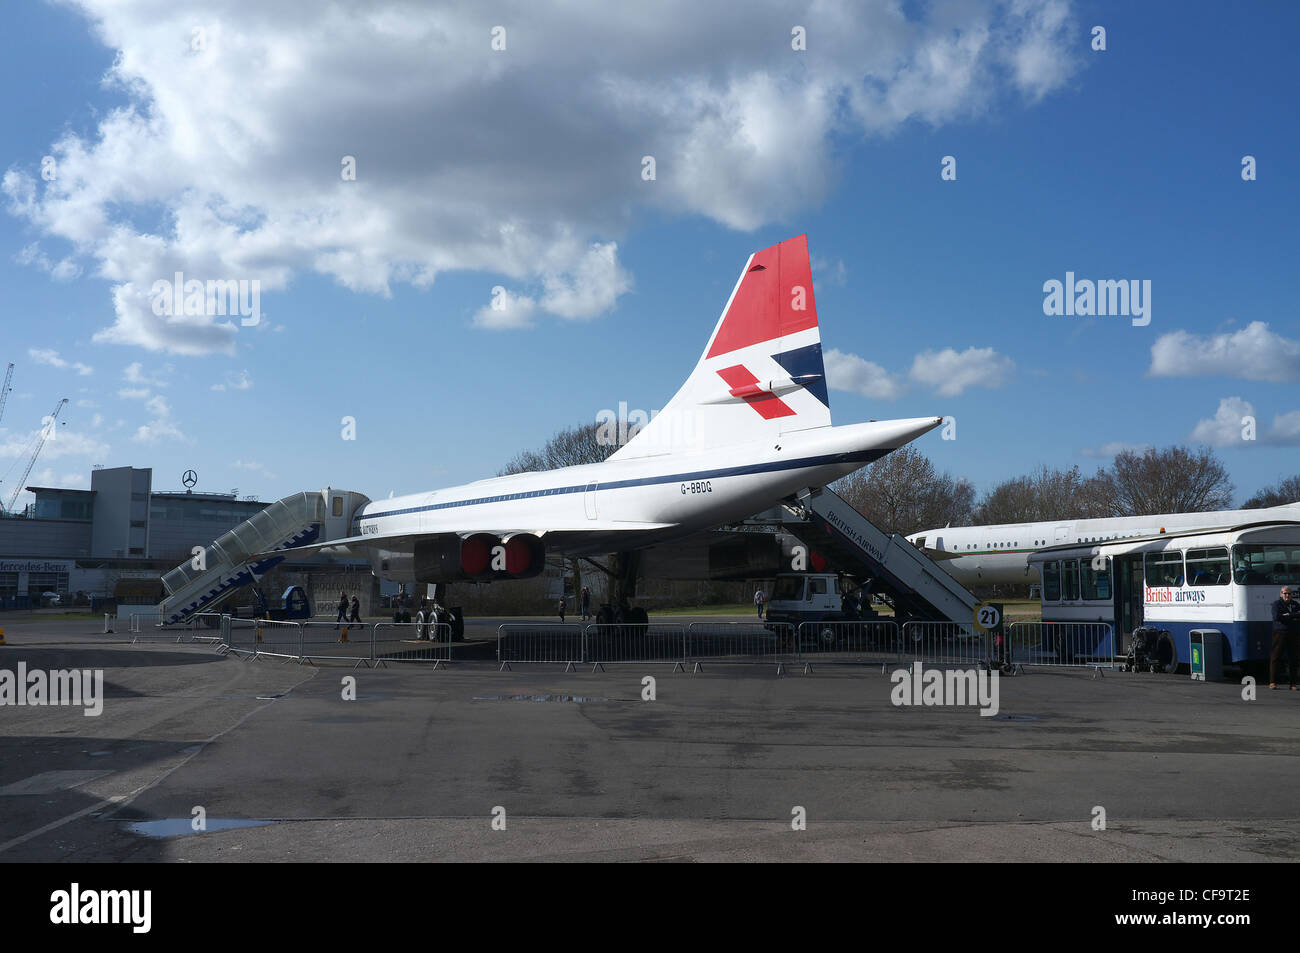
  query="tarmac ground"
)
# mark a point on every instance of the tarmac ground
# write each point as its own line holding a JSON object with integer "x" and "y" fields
{"x": 431, "y": 764}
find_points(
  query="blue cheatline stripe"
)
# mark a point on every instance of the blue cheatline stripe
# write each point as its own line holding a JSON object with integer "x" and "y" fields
{"x": 861, "y": 456}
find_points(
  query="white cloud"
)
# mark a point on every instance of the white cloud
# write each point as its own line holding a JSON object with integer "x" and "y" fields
{"x": 525, "y": 163}
{"x": 254, "y": 467}
{"x": 134, "y": 393}
{"x": 1224, "y": 429}
{"x": 1108, "y": 450}
{"x": 161, "y": 426}
{"x": 51, "y": 358}
{"x": 1254, "y": 353}
{"x": 506, "y": 311}
{"x": 240, "y": 381}
{"x": 63, "y": 442}
{"x": 592, "y": 287}
{"x": 134, "y": 373}
{"x": 849, "y": 372}
{"x": 828, "y": 271}
{"x": 1286, "y": 429}
{"x": 951, "y": 372}
{"x": 63, "y": 270}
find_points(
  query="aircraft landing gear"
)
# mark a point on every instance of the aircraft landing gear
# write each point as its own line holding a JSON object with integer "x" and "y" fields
{"x": 623, "y": 574}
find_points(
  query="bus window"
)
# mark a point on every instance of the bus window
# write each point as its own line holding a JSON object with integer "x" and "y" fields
{"x": 1070, "y": 580}
{"x": 1208, "y": 567}
{"x": 1164, "y": 569}
{"x": 1052, "y": 582}
{"x": 818, "y": 587}
{"x": 1096, "y": 582}
{"x": 1273, "y": 564}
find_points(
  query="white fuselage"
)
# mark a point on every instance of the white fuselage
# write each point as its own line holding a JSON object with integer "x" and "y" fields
{"x": 999, "y": 554}
{"x": 628, "y": 504}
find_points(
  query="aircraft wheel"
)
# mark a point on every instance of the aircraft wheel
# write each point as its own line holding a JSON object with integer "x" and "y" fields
{"x": 638, "y": 616}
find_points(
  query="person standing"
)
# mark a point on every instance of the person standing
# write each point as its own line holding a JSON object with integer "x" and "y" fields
{"x": 356, "y": 610}
{"x": 343, "y": 609}
{"x": 760, "y": 599}
{"x": 561, "y": 607}
{"x": 586, "y": 603}
{"x": 1286, "y": 637}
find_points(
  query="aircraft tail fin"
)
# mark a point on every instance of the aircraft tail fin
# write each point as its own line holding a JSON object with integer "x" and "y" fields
{"x": 761, "y": 373}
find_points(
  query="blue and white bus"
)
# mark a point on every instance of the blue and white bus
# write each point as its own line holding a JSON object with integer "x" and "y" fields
{"x": 1224, "y": 579}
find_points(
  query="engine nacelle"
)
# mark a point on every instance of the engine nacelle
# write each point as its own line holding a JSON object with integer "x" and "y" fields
{"x": 525, "y": 557}
{"x": 478, "y": 557}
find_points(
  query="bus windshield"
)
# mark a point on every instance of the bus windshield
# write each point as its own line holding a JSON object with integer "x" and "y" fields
{"x": 1267, "y": 565}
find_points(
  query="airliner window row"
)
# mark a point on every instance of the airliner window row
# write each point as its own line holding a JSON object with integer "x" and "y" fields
{"x": 1042, "y": 542}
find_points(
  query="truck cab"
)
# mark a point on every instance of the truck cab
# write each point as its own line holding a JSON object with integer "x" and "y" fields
{"x": 814, "y": 597}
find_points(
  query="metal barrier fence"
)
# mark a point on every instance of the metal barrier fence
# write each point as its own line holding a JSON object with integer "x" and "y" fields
{"x": 571, "y": 644}
{"x": 337, "y": 641}
{"x": 411, "y": 642}
{"x": 541, "y": 642}
{"x": 140, "y": 621}
{"x": 772, "y": 642}
{"x": 1076, "y": 644}
{"x": 866, "y": 642}
{"x": 644, "y": 642}
{"x": 258, "y": 637}
{"x": 945, "y": 643}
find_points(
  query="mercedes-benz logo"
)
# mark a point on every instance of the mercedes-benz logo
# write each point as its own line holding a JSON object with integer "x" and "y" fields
{"x": 190, "y": 478}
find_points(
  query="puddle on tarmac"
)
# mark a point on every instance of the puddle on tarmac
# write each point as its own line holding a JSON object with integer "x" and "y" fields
{"x": 182, "y": 826}
{"x": 580, "y": 699}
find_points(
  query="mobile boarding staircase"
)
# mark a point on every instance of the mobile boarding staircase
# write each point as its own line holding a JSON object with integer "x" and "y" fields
{"x": 226, "y": 564}
{"x": 919, "y": 588}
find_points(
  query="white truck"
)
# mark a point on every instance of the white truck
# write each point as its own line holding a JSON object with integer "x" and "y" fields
{"x": 816, "y": 597}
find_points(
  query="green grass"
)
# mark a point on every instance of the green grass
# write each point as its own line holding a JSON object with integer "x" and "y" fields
{"x": 51, "y": 617}
{"x": 737, "y": 609}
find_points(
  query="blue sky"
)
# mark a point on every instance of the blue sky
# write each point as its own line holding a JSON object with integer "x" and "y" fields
{"x": 520, "y": 168}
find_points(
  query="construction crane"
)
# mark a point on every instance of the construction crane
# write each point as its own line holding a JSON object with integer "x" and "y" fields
{"x": 4, "y": 392}
{"x": 40, "y": 442}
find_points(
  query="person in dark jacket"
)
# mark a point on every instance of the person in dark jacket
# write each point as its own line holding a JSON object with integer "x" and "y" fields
{"x": 343, "y": 609}
{"x": 1286, "y": 637}
{"x": 356, "y": 610}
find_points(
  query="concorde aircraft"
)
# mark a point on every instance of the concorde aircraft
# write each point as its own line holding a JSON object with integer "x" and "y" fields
{"x": 983, "y": 555}
{"x": 750, "y": 426}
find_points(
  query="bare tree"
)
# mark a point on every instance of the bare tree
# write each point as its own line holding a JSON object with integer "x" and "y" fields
{"x": 902, "y": 493}
{"x": 570, "y": 447}
{"x": 1046, "y": 494}
{"x": 1286, "y": 491}
{"x": 1174, "y": 480}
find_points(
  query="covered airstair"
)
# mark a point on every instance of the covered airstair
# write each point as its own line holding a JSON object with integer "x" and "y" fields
{"x": 918, "y": 587}
{"x": 226, "y": 564}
